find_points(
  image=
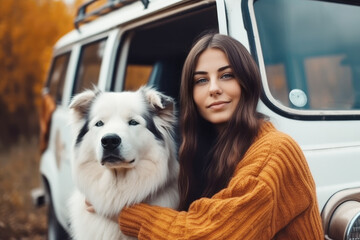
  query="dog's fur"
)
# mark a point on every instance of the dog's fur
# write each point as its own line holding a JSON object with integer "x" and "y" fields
{"x": 139, "y": 165}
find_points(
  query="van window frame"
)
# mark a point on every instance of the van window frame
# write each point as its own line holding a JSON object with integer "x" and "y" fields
{"x": 66, "y": 54}
{"x": 88, "y": 42}
{"x": 127, "y": 34}
{"x": 256, "y": 51}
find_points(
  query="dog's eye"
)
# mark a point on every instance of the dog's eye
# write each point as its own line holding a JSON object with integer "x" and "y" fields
{"x": 132, "y": 122}
{"x": 99, "y": 123}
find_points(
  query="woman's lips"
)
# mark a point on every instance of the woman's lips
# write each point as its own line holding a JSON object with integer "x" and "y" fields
{"x": 218, "y": 105}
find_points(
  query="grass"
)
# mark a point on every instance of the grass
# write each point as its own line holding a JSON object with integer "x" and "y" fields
{"x": 19, "y": 174}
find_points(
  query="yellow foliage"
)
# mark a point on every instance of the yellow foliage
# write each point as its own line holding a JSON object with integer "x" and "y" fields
{"x": 28, "y": 30}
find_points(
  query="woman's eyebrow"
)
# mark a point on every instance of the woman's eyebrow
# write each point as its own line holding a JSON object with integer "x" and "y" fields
{"x": 219, "y": 70}
{"x": 200, "y": 73}
{"x": 224, "y": 68}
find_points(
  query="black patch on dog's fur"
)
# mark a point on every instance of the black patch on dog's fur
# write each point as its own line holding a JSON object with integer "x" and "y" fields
{"x": 85, "y": 128}
{"x": 151, "y": 126}
{"x": 82, "y": 132}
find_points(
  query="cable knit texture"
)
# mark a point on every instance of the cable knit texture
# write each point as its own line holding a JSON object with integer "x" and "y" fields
{"x": 271, "y": 196}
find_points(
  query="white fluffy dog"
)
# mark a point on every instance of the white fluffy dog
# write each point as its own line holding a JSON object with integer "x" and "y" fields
{"x": 124, "y": 153}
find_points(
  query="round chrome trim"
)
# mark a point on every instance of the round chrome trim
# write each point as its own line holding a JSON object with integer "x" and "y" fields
{"x": 334, "y": 202}
{"x": 350, "y": 225}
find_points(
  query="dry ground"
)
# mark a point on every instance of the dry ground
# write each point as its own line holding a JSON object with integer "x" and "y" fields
{"x": 19, "y": 174}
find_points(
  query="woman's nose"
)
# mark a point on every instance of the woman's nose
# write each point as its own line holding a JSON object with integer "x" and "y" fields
{"x": 214, "y": 88}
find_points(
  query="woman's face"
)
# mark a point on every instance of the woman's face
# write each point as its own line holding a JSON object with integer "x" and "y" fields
{"x": 216, "y": 90}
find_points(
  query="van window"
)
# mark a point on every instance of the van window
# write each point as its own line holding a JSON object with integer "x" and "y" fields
{"x": 57, "y": 76}
{"x": 136, "y": 76}
{"x": 157, "y": 50}
{"x": 311, "y": 52}
{"x": 89, "y": 65}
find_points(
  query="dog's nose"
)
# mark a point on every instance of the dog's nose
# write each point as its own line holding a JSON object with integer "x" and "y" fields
{"x": 110, "y": 141}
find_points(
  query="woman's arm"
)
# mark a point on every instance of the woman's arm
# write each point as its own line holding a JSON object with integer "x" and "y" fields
{"x": 245, "y": 215}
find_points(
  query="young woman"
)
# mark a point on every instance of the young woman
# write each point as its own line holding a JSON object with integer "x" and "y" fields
{"x": 240, "y": 178}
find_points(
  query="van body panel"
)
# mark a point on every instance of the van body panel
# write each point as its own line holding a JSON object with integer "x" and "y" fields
{"x": 55, "y": 163}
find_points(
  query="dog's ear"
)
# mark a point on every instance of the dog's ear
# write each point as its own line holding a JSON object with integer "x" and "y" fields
{"x": 81, "y": 103}
{"x": 157, "y": 100}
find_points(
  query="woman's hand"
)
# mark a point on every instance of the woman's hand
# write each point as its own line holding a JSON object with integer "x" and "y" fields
{"x": 90, "y": 208}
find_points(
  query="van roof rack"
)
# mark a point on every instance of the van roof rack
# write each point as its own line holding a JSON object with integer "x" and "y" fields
{"x": 82, "y": 16}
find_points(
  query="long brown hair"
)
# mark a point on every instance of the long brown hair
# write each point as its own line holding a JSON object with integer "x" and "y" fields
{"x": 208, "y": 159}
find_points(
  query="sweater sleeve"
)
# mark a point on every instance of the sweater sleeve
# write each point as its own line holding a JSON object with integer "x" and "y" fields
{"x": 245, "y": 213}
{"x": 296, "y": 215}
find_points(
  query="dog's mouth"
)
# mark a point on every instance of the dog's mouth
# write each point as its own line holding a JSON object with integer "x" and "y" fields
{"x": 115, "y": 160}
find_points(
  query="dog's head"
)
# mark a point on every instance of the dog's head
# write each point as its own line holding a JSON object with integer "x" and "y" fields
{"x": 119, "y": 129}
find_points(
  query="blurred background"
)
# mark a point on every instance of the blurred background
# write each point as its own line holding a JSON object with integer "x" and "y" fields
{"x": 28, "y": 31}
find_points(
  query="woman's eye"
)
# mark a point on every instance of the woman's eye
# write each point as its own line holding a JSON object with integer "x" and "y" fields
{"x": 227, "y": 76}
{"x": 200, "y": 80}
{"x": 99, "y": 123}
{"x": 132, "y": 122}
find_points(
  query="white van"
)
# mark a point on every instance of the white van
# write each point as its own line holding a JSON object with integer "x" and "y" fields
{"x": 308, "y": 52}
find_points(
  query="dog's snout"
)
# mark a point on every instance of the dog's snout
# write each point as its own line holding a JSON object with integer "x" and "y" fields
{"x": 110, "y": 141}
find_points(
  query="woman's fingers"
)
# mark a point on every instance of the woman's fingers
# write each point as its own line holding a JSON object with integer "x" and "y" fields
{"x": 89, "y": 207}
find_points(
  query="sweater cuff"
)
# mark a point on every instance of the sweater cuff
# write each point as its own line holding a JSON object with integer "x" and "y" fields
{"x": 131, "y": 219}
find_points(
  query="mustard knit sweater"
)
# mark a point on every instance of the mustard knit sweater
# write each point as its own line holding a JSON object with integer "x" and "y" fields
{"x": 271, "y": 196}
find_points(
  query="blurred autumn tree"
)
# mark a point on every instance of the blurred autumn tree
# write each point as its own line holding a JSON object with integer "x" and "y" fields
{"x": 28, "y": 31}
